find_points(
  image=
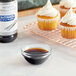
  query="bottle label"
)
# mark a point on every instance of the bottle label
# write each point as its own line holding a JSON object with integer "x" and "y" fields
{"x": 8, "y": 17}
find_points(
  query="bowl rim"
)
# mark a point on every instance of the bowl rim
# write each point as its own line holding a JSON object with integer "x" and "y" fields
{"x": 43, "y": 55}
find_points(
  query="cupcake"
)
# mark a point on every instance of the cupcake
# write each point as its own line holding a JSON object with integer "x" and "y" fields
{"x": 48, "y": 17}
{"x": 68, "y": 25}
{"x": 65, "y": 5}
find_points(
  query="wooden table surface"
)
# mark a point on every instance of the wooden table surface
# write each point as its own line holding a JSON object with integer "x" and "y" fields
{"x": 30, "y": 11}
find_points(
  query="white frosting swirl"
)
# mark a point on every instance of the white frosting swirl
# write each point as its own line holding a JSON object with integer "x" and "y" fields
{"x": 68, "y": 3}
{"x": 48, "y": 10}
{"x": 69, "y": 18}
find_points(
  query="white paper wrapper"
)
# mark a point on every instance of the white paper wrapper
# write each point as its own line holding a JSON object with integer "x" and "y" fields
{"x": 68, "y": 32}
{"x": 48, "y": 24}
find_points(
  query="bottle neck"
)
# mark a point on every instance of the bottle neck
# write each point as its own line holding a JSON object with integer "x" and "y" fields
{"x": 6, "y": 0}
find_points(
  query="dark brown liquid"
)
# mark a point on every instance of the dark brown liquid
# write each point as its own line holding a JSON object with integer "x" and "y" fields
{"x": 7, "y": 39}
{"x": 36, "y": 51}
{"x": 36, "y": 55}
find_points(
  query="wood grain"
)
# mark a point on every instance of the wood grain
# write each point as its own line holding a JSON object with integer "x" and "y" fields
{"x": 31, "y": 11}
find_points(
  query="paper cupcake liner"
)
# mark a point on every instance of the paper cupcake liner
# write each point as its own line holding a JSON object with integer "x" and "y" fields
{"x": 48, "y": 24}
{"x": 68, "y": 32}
